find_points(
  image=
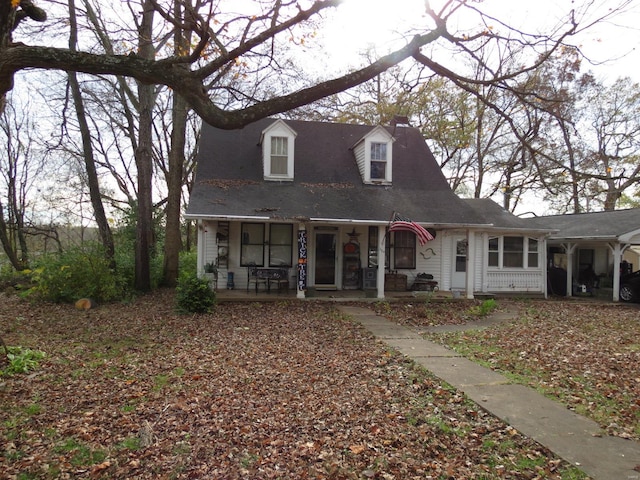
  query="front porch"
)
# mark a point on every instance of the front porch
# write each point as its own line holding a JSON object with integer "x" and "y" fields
{"x": 241, "y": 295}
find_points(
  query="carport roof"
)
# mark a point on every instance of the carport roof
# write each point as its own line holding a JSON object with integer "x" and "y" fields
{"x": 616, "y": 225}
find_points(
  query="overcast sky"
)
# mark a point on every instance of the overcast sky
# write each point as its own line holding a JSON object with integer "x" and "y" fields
{"x": 363, "y": 23}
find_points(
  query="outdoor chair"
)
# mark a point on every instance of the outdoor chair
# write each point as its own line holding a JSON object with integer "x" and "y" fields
{"x": 253, "y": 277}
{"x": 280, "y": 278}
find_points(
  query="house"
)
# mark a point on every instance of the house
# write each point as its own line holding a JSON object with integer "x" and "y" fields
{"x": 601, "y": 245}
{"x": 313, "y": 201}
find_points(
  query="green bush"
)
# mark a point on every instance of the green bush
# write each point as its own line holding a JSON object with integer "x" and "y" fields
{"x": 194, "y": 295}
{"x": 76, "y": 273}
{"x": 188, "y": 263}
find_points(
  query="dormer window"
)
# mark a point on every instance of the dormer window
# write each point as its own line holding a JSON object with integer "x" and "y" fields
{"x": 378, "y": 161}
{"x": 279, "y": 155}
{"x": 374, "y": 156}
{"x": 278, "y": 145}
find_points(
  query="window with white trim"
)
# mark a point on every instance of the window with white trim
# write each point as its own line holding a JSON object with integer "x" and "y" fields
{"x": 279, "y": 155}
{"x": 513, "y": 252}
{"x": 378, "y": 161}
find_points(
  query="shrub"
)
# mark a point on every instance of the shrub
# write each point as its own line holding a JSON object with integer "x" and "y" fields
{"x": 76, "y": 273}
{"x": 188, "y": 263}
{"x": 194, "y": 295}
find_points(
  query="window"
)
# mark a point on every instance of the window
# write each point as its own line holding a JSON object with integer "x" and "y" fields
{"x": 461, "y": 255}
{"x": 533, "y": 253}
{"x": 378, "y": 161}
{"x": 513, "y": 252}
{"x": 252, "y": 250}
{"x": 280, "y": 245}
{"x": 404, "y": 250}
{"x": 494, "y": 252}
{"x": 279, "y": 155}
{"x": 372, "y": 252}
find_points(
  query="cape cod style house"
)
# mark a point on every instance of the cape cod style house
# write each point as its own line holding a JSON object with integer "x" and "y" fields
{"x": 308, "y": 205}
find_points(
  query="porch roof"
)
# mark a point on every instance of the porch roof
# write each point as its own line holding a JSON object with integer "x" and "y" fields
{"x": 500, "y": 219}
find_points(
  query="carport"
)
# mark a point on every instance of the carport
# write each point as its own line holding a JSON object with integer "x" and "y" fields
{"x": 605, "y": 242}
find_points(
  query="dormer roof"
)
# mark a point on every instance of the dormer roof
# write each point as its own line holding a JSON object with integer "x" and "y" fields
{"x": 278, "y": 126}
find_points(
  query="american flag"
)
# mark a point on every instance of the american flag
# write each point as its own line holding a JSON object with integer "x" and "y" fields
{"x": 400, "y": 223}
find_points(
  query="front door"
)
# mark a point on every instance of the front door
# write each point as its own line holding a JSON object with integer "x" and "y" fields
{"x": 459, "y": 270}
{"x": 325, "y": 260}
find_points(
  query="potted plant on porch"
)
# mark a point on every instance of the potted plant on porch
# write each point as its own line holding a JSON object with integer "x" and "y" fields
{"x": 211, "y": 272}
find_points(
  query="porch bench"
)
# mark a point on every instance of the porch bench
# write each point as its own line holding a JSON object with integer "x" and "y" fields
{"x": 277, "y": 276}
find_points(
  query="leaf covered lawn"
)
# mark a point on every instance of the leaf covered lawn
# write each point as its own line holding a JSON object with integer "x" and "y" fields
{"x": 584, "y": 353}
{"x": 255, "y": 391}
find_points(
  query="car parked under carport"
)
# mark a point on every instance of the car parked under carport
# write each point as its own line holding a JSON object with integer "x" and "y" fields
{"x": 630, "y": 287}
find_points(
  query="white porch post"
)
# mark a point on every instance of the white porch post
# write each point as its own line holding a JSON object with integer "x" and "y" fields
{"x": 569, "y": 248}
{"x": 200, "y": 259}
{"x": 545, "y": 271}
{"x": 485, "y": 263}
{"x": 381, "y": 262}
{"x": 471, "y": 247}
{"x": 301, "y": 277}
{"x": 617, "y": 249}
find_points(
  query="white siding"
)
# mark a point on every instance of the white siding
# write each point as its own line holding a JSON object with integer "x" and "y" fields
{"x": 446, "y": 265}
{"x": 428, "y": 261}
{"x": 360, "y": 154}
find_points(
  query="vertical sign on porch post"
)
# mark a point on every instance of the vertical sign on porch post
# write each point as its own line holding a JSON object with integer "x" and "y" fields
{"x": 302, "y": 261}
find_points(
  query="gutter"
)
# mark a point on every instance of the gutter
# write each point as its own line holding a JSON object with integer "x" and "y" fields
{"x": 193, "y": 216}
{"x": 441, "y": 226}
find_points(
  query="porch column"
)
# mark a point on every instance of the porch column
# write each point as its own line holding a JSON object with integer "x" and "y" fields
{"x": 545, "y": 270}
{"x": 301, "y": 284}
{"x": 569, "y": 248}
{"x": 617, "y": 250}
{"x": 381, "y": 261}
{"x": 200, "y": 258}
{"x": 471, "y": 246}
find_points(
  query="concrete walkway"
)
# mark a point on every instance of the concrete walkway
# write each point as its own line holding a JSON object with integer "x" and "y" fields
{"x": 574, "y": 438}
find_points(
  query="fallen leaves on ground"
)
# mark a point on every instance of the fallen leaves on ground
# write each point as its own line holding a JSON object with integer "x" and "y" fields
{"x": 584, "y": 353}
{"x": 257, "y": 391}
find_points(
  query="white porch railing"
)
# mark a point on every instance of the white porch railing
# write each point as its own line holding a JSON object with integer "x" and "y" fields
{"x": 509, "y": 281}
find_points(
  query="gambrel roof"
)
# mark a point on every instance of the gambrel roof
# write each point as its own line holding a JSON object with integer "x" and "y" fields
{"x": 327, "y": 183}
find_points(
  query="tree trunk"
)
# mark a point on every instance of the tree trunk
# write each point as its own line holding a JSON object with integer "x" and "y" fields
{"x": 143, "y": 157}
{"x": 87, "y": 150}
{"x": 7, "y": 244}
{"x": 173, "y": 237}
{"x": 8, "y": 15}
{"x": 175, "y": 174}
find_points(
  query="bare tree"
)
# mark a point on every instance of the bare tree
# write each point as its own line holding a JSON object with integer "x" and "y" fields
{"x": 20, "y": 165}
{"x": 87, "y": 148}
